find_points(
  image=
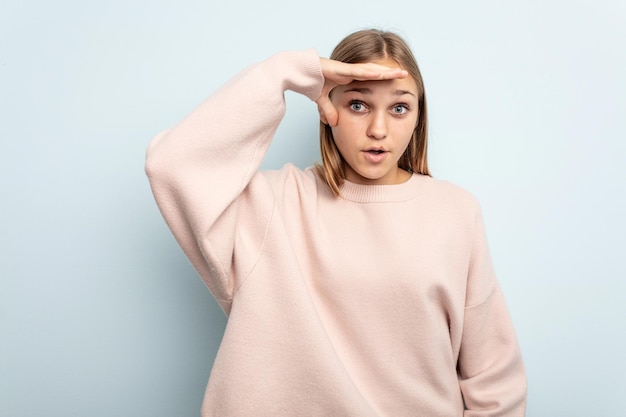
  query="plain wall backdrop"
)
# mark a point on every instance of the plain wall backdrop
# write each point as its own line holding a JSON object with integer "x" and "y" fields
{"x": 101, "y": 315}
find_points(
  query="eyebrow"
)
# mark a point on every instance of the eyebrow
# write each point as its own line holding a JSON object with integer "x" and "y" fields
{"x": 365, "y": 90}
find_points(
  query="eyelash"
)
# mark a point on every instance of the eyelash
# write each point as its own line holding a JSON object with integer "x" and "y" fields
{"x": 356, "y": 102}
{"x": 404, "y": 106}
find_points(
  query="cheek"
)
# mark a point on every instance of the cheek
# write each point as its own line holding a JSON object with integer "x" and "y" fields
{"x": 344, "y": 142}
{"x": 403, "y": 135}
{"x": 339, "y": 138}
{"x": 406, "y": 129}
{"x": 345, "y": 132}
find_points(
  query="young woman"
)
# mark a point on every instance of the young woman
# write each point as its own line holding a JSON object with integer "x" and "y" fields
{"x": 360, "y": 287}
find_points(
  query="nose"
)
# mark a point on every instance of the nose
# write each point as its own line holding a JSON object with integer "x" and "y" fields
{"x": 377, "y": 128}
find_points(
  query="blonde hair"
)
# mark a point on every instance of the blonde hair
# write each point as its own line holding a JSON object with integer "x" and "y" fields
{"x": 367, "y": 46}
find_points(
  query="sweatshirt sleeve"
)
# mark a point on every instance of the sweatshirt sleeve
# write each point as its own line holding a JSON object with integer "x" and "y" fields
{"x": 204, "y": 171}
{"x": 491, "y": 371}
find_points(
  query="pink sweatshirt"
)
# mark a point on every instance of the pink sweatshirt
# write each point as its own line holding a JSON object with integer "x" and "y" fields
{"x": 382, "y": 302}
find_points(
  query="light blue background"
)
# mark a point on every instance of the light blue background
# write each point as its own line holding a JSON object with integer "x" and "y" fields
{"x": 102, "y": 315}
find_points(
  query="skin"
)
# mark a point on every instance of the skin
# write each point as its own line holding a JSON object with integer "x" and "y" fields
{"x": 372, "y": 116}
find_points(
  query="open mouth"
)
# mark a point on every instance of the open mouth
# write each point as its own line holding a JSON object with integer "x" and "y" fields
{"x": 375, "y": 151}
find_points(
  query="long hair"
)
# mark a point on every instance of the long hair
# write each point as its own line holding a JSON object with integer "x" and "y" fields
{"x": 366, "y": 46}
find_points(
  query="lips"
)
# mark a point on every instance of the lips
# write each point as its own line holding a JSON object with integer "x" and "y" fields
{"x": 375, "y": 155}
{"x": 375, "y": 150}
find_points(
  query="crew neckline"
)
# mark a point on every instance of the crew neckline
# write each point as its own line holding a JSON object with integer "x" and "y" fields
{"x": 361, "y": 193}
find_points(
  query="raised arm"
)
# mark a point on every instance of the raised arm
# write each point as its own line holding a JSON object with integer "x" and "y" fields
{"x": 203, "y": 171}
{"x": 199, "y": 168}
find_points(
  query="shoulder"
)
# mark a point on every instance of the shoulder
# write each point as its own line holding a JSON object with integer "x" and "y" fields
{"x": 288, "y": 173}
{"x": 291, "y": 181}
{"x": 448, "y": 195}
{"x": 450, "y": 206}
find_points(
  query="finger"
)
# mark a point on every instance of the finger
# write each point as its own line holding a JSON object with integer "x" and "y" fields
{"x": 394, "y": 73}
{"x": 322, "y": 115}
{"x": 328, "y": 113}
{"x": 331, "y": 116}
{"x": 344, "y": 73}
{"x": 380, "y": 73}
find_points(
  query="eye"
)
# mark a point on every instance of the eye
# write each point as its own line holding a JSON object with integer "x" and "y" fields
{"x": 400, "y": 109}
{"x": 357, "y": 106}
